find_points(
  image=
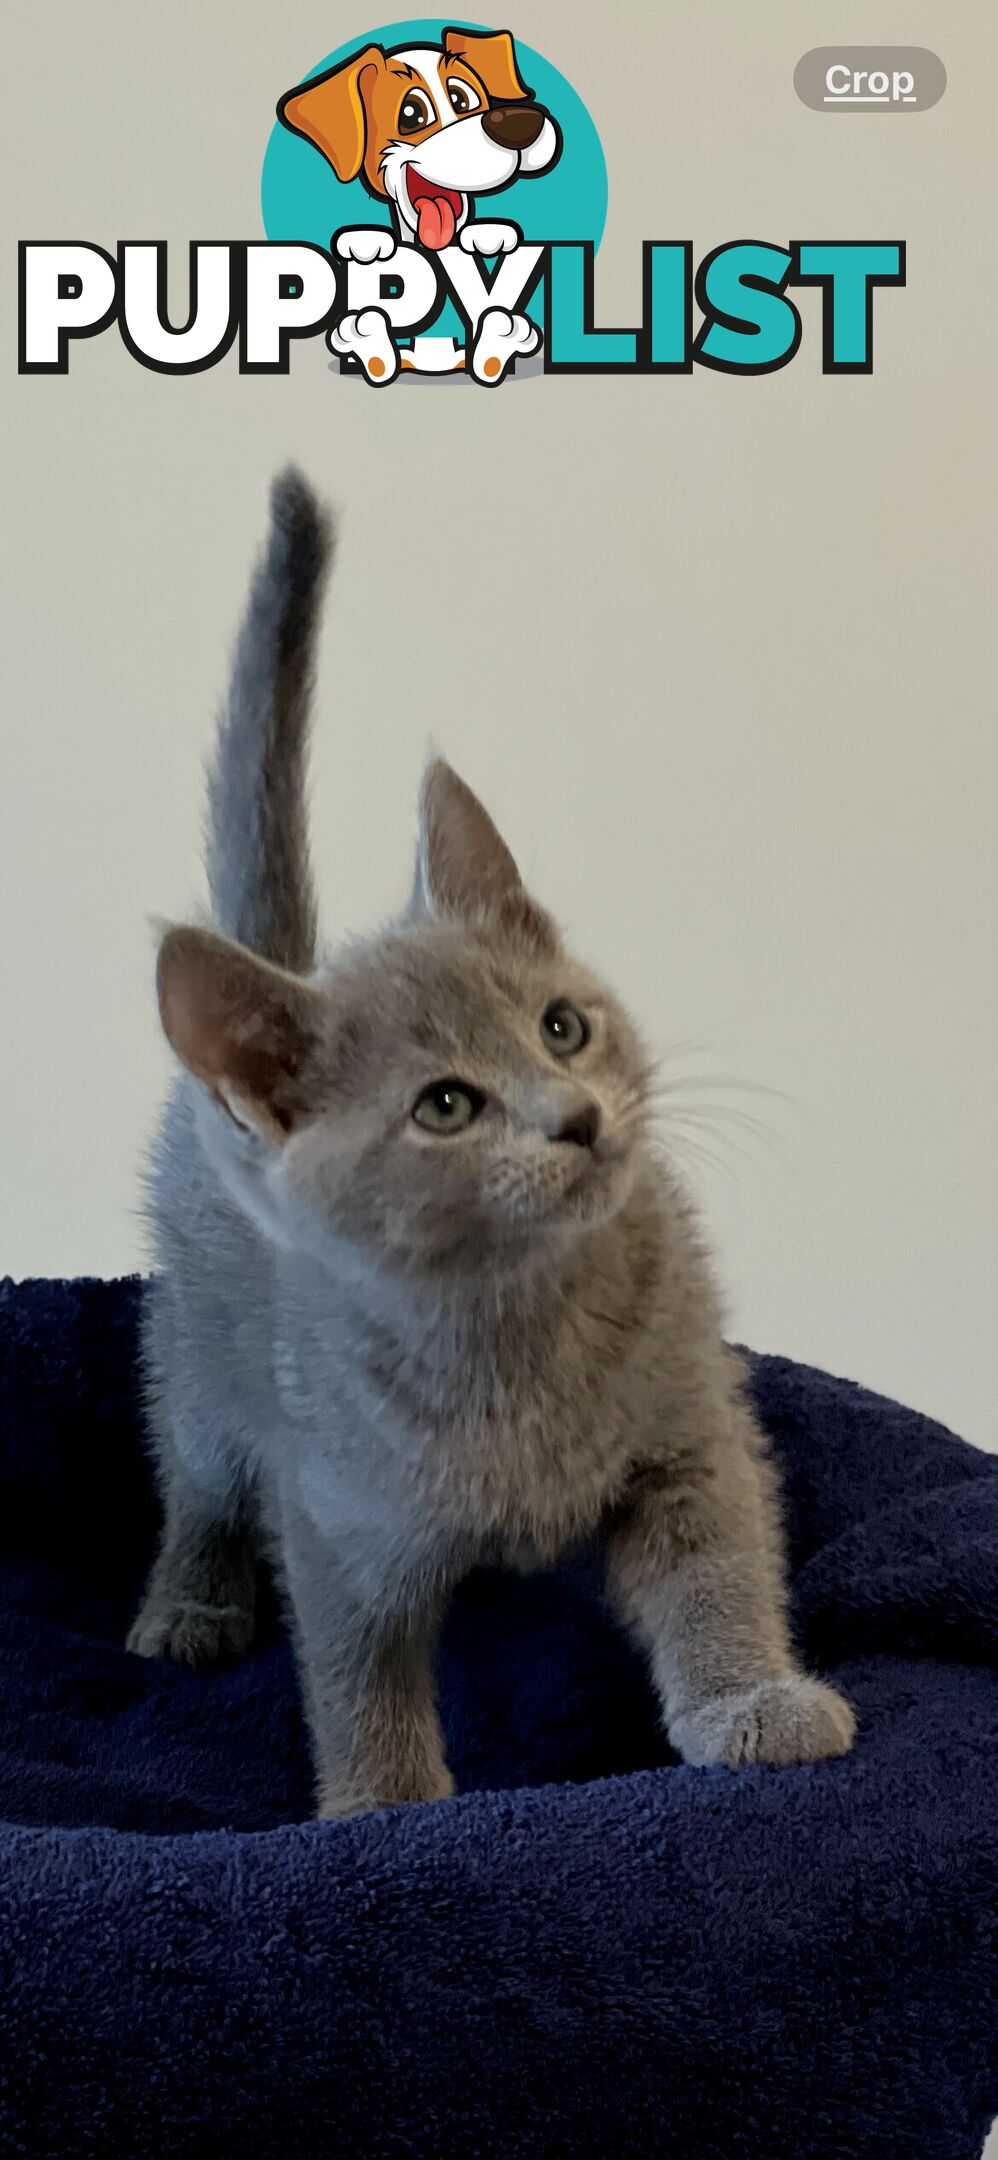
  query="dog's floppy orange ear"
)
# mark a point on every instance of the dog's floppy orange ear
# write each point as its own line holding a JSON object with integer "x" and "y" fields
{"x": 493, "y": 56}
{"x": 331, "y": 110}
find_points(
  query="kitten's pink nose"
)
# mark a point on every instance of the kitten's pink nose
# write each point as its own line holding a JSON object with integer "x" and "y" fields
{"x": 581, "y": 1126}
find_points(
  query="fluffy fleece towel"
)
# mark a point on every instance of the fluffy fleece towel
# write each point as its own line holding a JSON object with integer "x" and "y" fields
{"x": 594, "y": 1951}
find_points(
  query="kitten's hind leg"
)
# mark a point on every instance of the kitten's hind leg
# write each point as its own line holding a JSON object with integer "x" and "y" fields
{"x": 200, "y": 1389}
{"x": 199, "y": 1605}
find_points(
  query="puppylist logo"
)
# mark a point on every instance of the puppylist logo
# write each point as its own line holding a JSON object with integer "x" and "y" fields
{"x": 434, "y": 197}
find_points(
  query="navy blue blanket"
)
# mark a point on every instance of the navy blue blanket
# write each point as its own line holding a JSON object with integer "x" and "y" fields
{"x": 594, "y": 1950}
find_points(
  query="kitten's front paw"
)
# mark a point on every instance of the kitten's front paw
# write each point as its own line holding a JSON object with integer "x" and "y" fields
{"x": 790, "y": 1720}
{"x": 191, "y": 1634}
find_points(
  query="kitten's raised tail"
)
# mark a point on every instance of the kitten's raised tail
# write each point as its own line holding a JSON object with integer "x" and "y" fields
{"x": 258, "y": 860}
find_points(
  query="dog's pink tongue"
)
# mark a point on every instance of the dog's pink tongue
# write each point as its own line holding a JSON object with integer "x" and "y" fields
{"x": 437, "y": 222}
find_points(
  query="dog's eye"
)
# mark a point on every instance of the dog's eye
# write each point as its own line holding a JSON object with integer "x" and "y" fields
{"x": 448, "y": 1106}
{"x": 563, "y": 1029}
{"x": 416, "y": 113}
{"x": 463, "y": 98}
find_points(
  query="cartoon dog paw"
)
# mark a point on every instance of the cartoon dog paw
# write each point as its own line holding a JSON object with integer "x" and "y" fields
{"x": 366, "y": 338}
{"x": 501, "y": 339}
{"x": 370, "y": 243}
{"x": 490, "y": 239}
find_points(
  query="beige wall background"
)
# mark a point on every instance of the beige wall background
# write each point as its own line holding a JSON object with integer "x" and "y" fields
{"x": 717, "y": 653}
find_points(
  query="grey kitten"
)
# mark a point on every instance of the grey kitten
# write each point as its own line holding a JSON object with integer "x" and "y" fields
{"x": 425, "y": 1294}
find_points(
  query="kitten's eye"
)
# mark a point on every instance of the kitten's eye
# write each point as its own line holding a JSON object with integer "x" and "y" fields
{"x": 463, "y": 98}
{"x": 449, "y": 1106}
{"x": 415, "y": 113}
{"x": 563, "y": 1029}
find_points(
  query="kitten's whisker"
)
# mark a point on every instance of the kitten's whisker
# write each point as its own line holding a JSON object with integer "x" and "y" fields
{"x": 705, "y": 1039}
{"x": 670, "y": 1102}
{"x": 728, "y": 1083}
{"x": 676, "y": 1125}
{"x": 723, "y": 1116}
{"x": 689, "y": 1155}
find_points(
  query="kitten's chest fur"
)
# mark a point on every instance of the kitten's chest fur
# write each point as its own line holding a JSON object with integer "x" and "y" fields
{"x": 504, "y": 1412}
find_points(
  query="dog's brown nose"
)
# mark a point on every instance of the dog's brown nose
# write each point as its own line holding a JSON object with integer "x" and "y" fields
{"x": 514, "y": 127}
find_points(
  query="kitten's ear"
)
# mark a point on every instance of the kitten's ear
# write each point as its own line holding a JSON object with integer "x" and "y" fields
{"x": 463, "y": 866}
{"x": 247, "y": 1030}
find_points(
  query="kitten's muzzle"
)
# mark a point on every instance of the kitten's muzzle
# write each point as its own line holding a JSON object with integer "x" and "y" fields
{"x": 582, "y": 1126}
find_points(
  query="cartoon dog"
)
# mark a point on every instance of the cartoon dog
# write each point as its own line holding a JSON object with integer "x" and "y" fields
{"x": 428, "y": 128}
